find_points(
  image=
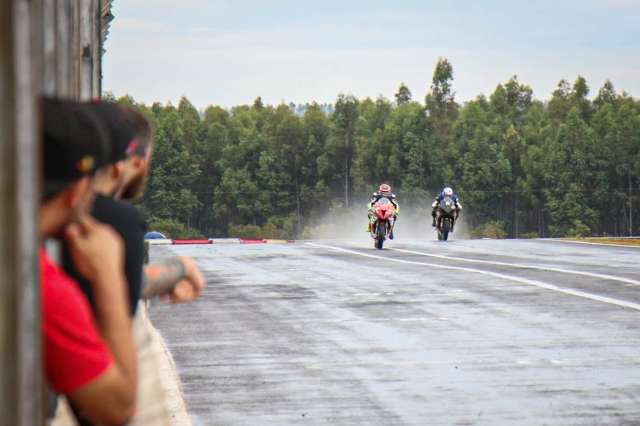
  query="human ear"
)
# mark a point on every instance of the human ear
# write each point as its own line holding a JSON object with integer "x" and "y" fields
{"x": 117, "y": 169}
{"x": 137, "y": 161}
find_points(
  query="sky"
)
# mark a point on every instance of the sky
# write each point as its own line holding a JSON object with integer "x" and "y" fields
{"x": 228, "y": 52}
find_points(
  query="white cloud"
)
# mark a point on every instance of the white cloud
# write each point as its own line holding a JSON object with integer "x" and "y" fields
{"x": 618, "y": 3}
{"x": 221, "y": 74}
{"x": 146, "y": 27}
{"x": 158, "y": 58}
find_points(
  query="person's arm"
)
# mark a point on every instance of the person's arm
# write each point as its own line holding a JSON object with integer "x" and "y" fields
{"x": 177, "y": 277}
{"x": 396, "y": 205}
{"x": 97, "y": 253}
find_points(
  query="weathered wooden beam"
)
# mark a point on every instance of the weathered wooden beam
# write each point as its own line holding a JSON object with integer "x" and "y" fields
{"x": 20, "y": 365}
{"x": 86, "y": 63}
{"x": 63, "y": 47}
{"x": 50, "y": 47}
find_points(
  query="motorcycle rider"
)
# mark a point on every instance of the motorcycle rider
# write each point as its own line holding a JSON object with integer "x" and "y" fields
{"x": 384, "y": 191}
{"x": 446, "y": 192}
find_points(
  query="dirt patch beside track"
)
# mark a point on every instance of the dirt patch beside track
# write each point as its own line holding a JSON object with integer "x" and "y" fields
{"x": 614, "y": 241}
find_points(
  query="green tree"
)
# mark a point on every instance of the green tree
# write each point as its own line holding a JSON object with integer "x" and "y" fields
{"x": 403, "y": 95}
{"x": 344, "y": 120}
{"x": 568, "y": 192}
{"x": 568, "y": 166}
{"x": 170, "y": 194}
{"x": 440, "y": 101}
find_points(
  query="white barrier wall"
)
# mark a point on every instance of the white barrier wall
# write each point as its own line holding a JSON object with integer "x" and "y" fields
{"x": 159, "y": 242}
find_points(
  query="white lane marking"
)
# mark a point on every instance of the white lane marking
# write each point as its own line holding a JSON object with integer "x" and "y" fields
{"x": 524, "y": 266}
{"x": 555, "y": 240}
{"x": 535, "y": 283}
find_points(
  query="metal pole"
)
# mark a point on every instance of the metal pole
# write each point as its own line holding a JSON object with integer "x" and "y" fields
{"x": 516, "y": 215}
{"x": 630, "y": 205}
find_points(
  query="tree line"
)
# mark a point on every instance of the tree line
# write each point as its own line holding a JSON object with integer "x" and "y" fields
{"x": 568, "y": 166}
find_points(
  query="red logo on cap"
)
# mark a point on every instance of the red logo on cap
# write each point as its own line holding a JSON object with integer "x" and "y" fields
{"x": 133, "y": 145}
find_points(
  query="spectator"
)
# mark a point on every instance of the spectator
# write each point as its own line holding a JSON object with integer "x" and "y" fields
{"x": 91, "y": 359}
{"x": 179, "y": 278}
{"x": 126, "y": 174}
{"x": 123, "y": 217}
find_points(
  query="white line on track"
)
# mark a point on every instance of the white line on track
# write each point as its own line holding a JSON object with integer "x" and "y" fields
{"x": 524, "y": 266}
{"x": 535, "y": 283}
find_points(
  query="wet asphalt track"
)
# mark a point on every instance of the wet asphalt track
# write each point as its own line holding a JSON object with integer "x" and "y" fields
{"x": 340, "y": 333}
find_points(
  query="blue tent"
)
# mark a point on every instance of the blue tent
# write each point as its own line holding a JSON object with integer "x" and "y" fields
{"x": 154, "y": 235}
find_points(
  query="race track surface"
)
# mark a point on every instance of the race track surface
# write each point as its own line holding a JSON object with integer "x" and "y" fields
{"x": 478, "y": 332}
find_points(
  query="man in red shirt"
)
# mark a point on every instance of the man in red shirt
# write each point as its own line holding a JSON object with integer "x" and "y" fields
{"x": 92, "y": 360}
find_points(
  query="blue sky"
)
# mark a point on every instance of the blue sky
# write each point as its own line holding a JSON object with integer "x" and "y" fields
{"x": 229, "y": 52}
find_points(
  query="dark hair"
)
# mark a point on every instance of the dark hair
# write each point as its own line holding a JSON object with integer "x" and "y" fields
{"x": 74, "y": 144}
{"x": 143, "y": 132}
{"x": 121, "y": 132}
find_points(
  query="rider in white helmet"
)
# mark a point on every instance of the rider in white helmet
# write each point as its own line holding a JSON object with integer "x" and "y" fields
{"x": 446, "y": 192}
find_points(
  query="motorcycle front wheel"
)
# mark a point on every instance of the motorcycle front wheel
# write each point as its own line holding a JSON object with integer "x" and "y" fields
{"x": 381, "y": 232}
{"x": 446, "y": 226}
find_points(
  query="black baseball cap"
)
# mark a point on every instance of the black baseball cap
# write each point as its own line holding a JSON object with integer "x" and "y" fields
{"x": 119, "y": 127}
{"x": 75, "y": 143}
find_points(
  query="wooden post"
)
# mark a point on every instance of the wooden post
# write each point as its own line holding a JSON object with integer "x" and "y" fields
{"x": 63, "y": 47}
{"x": 41, "y": 52}
{"x": 20, "y": 365}
{"x": 85, "y": 64}
{"x": 49, "y": 48}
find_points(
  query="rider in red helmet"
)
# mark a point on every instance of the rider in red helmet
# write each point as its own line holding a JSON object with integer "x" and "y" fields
{"x": 383, "y": 191}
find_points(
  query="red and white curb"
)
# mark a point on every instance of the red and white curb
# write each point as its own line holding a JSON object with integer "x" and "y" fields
{"x": 218, "y": 241}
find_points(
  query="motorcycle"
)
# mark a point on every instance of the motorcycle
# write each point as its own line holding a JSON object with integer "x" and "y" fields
{"x": 383, "y": 225}
{"x": 445, "y": 218}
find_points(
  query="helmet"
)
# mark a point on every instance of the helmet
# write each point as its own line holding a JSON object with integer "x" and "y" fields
{"x": 448, "y": 192}
{"x": 384, "y": 189}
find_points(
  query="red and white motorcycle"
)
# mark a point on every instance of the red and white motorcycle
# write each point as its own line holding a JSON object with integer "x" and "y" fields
{"x": 384, "y": 212}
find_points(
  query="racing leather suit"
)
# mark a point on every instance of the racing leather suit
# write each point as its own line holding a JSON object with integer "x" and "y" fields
{"x": 436, "y": 203}
{"x": 371, "y": 213}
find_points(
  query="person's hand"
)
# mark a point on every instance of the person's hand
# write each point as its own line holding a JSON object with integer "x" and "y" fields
{"x": 96, "y": 249}
{"x": 183, "y": 292}
{"x": 190, "y": 288}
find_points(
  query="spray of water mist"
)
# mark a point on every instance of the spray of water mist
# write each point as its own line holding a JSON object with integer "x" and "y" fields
{"x": 350, "y": 224}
